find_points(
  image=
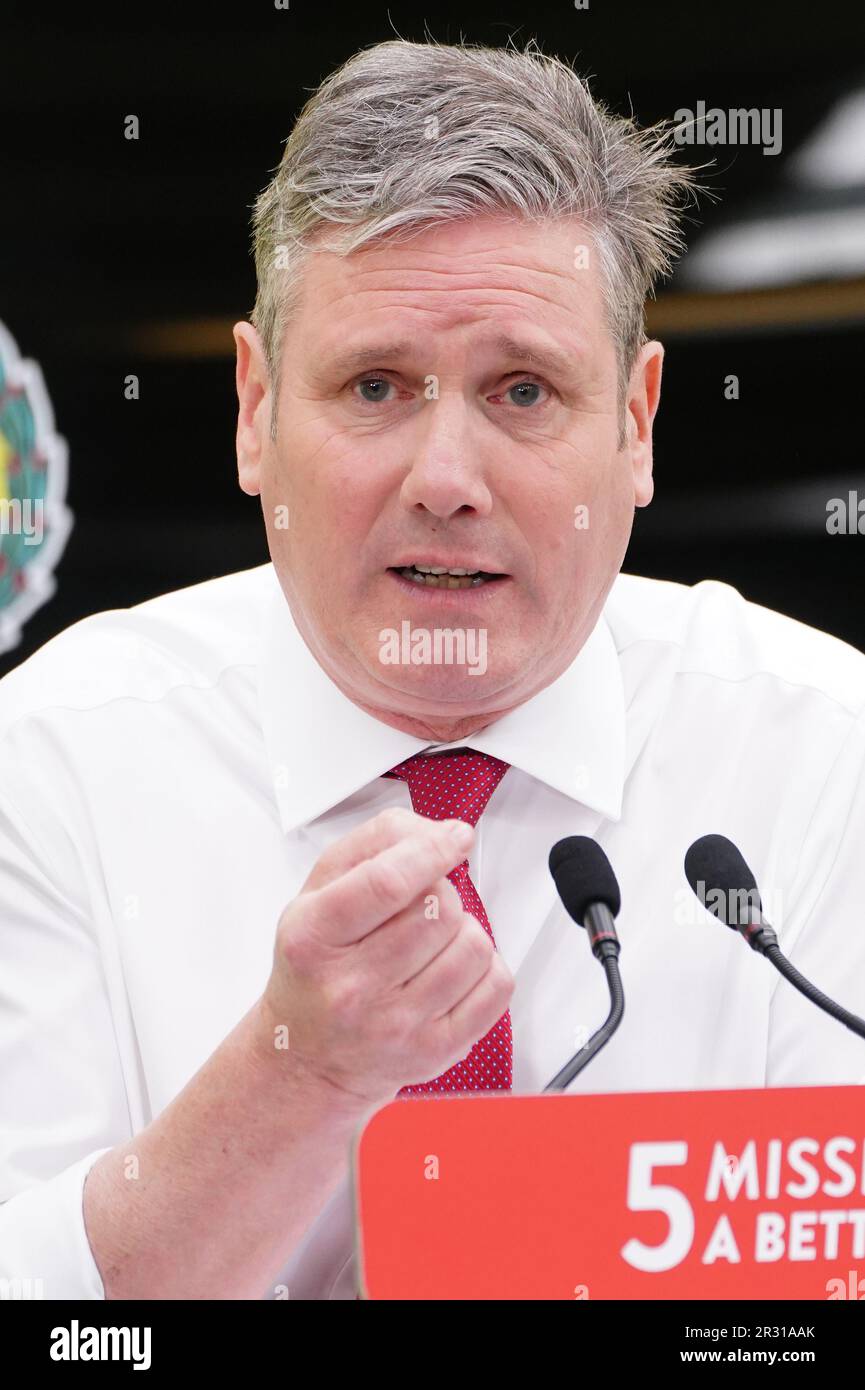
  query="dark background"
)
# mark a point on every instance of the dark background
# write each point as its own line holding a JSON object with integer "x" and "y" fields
{"x": 121, "y": 257}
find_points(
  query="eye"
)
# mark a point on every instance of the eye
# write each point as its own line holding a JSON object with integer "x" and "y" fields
{"x": 377, "y": 388}
{"x": 524, "y": 393}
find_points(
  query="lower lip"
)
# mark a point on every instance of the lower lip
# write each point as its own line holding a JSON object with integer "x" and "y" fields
{"x": 455, "y": 597}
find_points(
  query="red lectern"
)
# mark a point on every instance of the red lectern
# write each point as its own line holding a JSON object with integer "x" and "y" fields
{"x": 686, "y": 1194}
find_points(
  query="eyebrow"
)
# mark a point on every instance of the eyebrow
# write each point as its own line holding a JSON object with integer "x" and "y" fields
{"x": 551, "y": 358}
{"x": 371, "y": 355}
{"x": 377, "y": 354}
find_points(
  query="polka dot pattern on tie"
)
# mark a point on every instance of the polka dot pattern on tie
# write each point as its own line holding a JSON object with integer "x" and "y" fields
{"x": 449, "y": 786}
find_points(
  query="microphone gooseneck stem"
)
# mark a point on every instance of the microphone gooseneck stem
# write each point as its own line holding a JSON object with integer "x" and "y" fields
{"x": 600, "y": 925}
{"x": 789, "y": 971}
{"x": 572, "y": 1068}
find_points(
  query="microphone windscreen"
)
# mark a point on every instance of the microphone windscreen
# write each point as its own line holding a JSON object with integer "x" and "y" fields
{"x": 583, "y": 874}
{"x": 721, "y": 879}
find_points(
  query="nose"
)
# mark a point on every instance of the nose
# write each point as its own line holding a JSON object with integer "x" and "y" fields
{"x": 446, "y": 476}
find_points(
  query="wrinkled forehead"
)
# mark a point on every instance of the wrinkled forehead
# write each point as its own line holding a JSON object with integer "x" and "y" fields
{"x": 555, "y": 260}
{"x": 524, "y": 290}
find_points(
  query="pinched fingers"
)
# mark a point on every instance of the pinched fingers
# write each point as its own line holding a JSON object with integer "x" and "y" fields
{"x": 368, "y": 895}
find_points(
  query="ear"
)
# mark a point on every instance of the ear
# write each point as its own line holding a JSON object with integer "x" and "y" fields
{"x": 644, "y": 393}
{"x": 253, "y": 416}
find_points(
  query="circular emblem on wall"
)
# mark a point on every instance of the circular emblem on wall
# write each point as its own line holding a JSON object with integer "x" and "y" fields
{"x": 34, "y": 519}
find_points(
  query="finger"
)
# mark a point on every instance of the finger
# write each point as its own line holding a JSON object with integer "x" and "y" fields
{"x": 365, "y": 897}
{"x": 399, "y": 949}
{"x": 366, "y": 840}
{"x": 454, "y": 972}
{"x": 480, "y": 1009}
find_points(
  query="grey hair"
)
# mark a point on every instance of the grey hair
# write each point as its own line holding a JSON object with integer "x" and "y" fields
{"x": 405, "y": 136}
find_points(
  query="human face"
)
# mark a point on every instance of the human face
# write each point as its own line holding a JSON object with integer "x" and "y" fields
{"x": 448, "y": 401}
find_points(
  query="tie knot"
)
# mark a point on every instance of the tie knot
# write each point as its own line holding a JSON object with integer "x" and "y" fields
{"x": 449, "y": 786}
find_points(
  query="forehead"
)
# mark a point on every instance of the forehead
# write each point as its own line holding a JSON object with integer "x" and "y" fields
{"x": 473, "y": 271}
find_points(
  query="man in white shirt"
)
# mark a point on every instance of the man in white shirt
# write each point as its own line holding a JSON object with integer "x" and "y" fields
{"x": 225, "y": 935}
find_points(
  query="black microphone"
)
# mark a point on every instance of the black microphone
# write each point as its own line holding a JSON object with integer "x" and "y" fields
{"x": 727, "y": 888}
{"x": 590, "y": 894}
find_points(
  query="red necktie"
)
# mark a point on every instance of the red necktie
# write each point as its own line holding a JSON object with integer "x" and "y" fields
{"x": 448, "y": 786}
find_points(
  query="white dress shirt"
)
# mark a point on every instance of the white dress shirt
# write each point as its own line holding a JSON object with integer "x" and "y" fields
{"x": 170, "y": 773}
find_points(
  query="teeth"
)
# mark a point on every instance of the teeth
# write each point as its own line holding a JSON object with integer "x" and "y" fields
{"x": 438, "y": 578}
{"x": 442, "y": 569}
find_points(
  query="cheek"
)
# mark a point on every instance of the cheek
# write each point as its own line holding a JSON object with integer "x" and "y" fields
{"x": 585, "y": 525}
{"x": 611, "y": 521}
{"x": 279, "y": 512}
{"x": 326, "y": 542}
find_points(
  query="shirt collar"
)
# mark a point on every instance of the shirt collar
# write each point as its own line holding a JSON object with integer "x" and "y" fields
{"x": 322, "y": 748}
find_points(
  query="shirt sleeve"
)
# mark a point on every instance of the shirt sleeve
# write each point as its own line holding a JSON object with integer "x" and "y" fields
{"x": 822, "y": 932}
{"x": 62, "y": 1094}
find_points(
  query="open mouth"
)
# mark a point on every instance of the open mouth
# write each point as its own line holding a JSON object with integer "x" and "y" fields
{"x": 438, "y": 577}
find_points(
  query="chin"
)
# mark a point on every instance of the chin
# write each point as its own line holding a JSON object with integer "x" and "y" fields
{"x": 446, "y": 689}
